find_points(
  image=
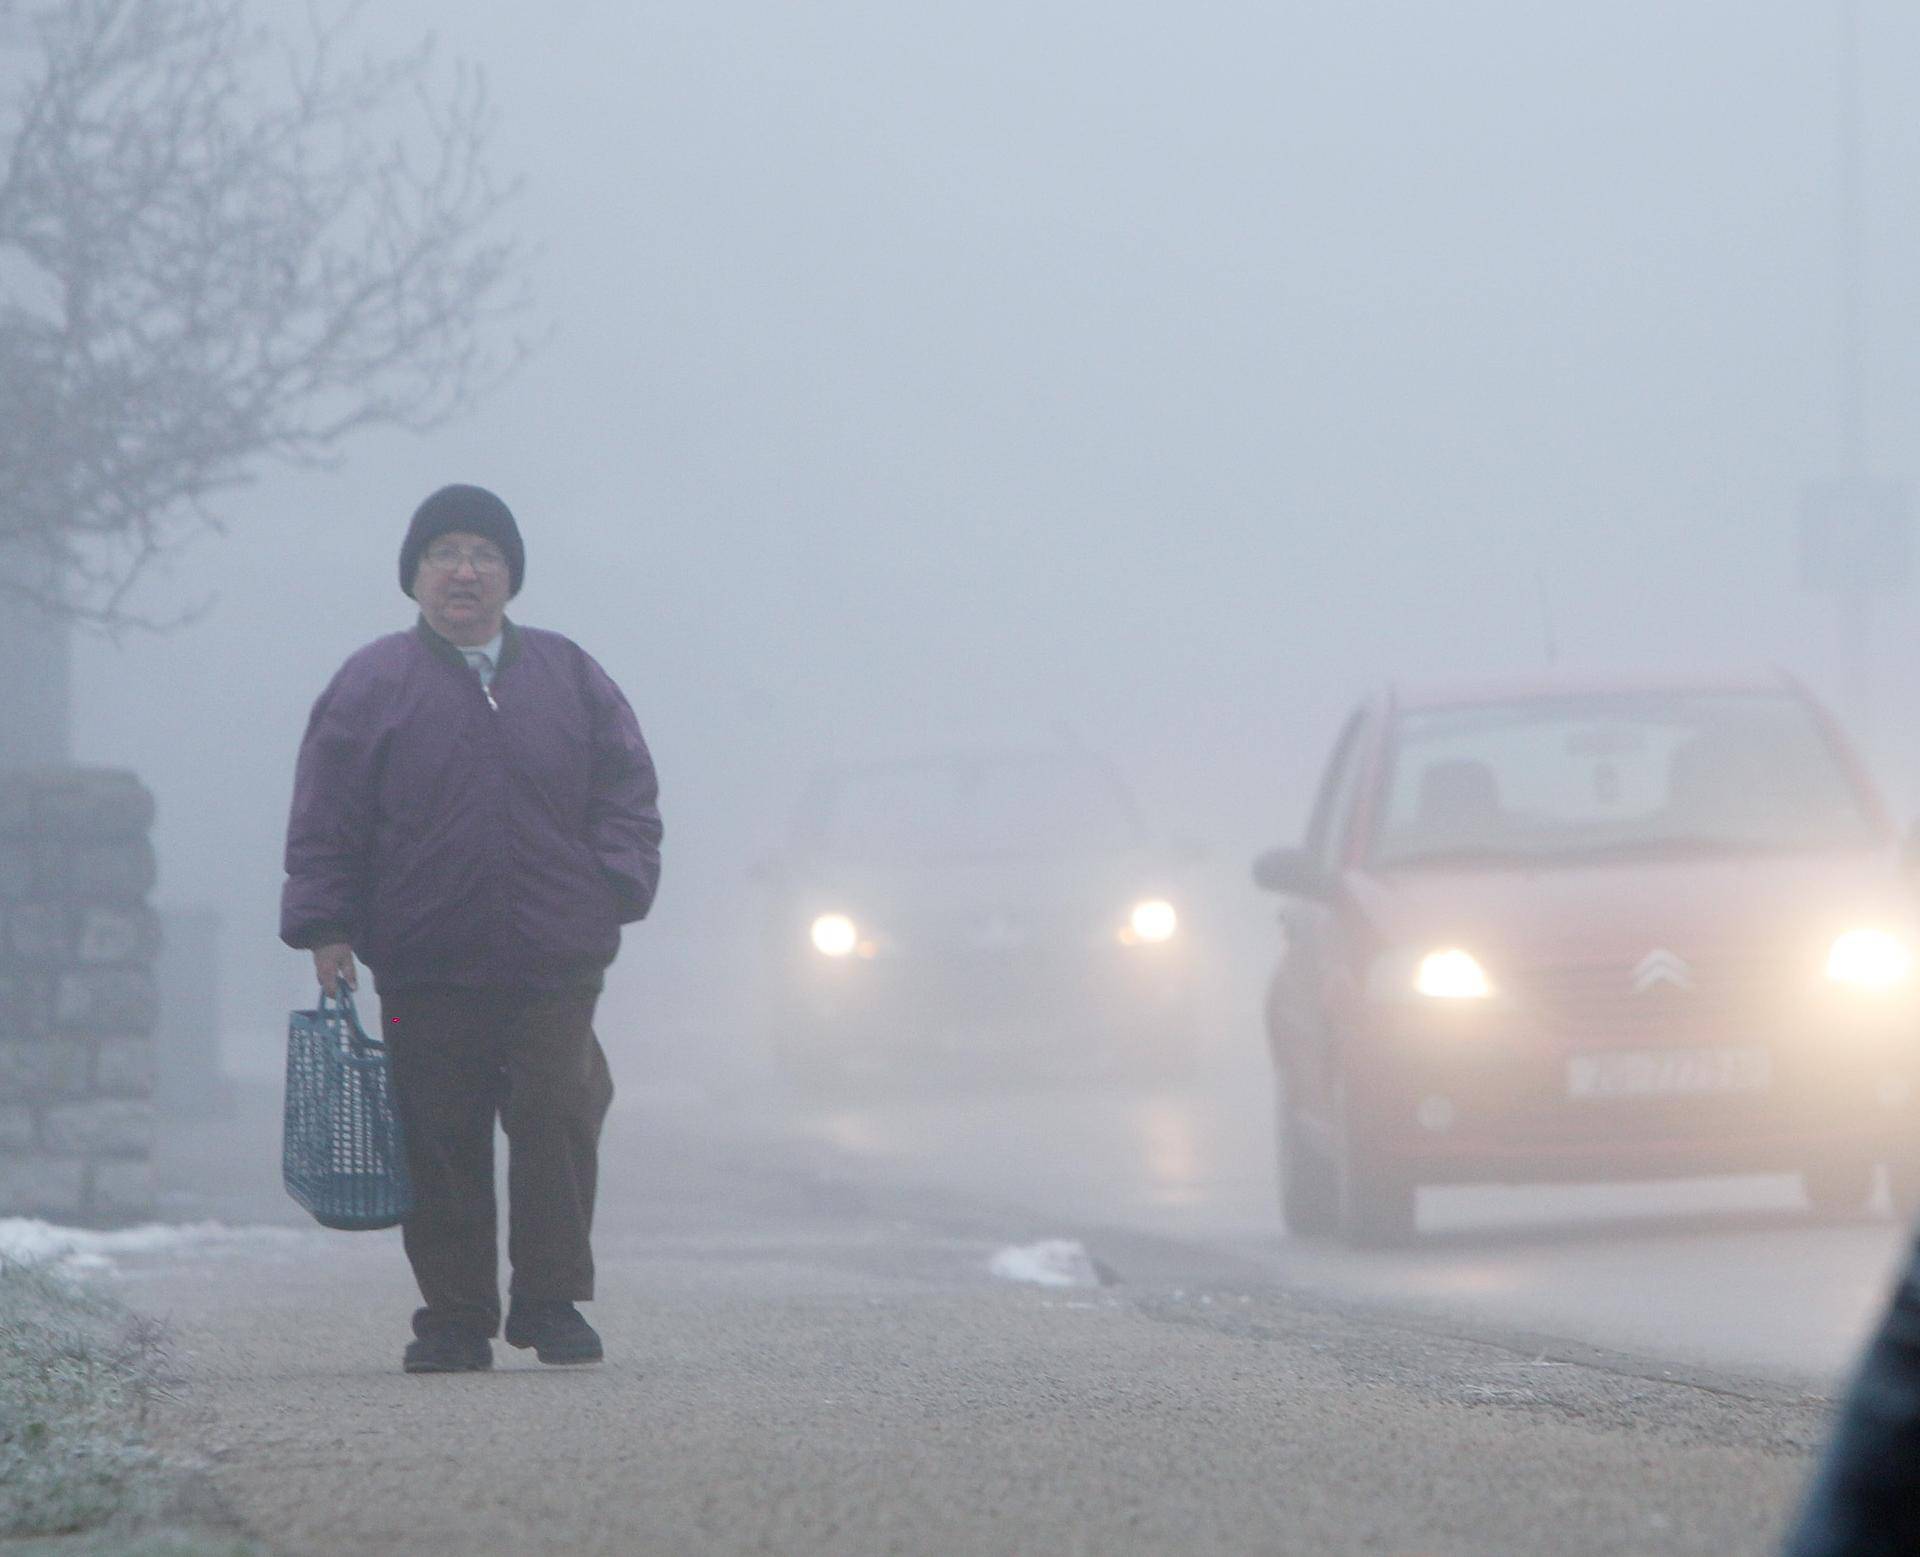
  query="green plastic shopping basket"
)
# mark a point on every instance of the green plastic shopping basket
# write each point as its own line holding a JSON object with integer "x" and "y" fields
{"x": 343, "y": 1154}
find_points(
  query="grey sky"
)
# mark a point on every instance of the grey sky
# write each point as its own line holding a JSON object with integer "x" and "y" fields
{"x": 922, "y": 372}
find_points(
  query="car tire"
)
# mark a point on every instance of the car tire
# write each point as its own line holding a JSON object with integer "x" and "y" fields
{"x": 1309, "y": 1187}
{"x": 1837, "y": 1187}
{"x": 1375, "y": 1199}
{"x": 1903, "y": 1187}
{"x": 1376, "y": 1209}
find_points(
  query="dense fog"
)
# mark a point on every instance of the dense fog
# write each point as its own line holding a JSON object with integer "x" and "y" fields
{"x": 1157, "y": 381}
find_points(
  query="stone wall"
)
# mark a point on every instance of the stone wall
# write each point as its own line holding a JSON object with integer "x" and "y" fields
{"x": 77, "y": 996}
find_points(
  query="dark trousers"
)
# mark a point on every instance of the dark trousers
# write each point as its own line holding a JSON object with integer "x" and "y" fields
{"x": 461, "y": 1059}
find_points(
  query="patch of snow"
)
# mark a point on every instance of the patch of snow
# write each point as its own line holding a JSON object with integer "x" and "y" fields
{"x": 1053, "y": 1262}
{"x": 31, "y": 1241}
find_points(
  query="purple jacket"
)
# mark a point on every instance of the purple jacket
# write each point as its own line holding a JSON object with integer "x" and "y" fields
{"x": 454, "y": 841}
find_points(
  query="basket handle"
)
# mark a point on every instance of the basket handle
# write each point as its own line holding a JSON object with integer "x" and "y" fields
{"x": 343, "y": 1012}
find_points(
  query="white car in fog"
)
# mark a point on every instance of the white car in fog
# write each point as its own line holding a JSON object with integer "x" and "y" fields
{"x": 976, "y": 914}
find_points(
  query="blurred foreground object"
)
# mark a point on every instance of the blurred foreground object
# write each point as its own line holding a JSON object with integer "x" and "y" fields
{"x": 1865, "y": 1497}
{"x": 1575, "y": 930}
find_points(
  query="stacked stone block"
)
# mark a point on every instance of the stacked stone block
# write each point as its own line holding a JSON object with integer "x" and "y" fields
{"x": 78, "y": 941}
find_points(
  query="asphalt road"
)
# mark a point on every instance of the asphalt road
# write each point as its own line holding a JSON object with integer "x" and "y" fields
{"x": 808, "y": 1352}
{"x": 1725, "y": 1273}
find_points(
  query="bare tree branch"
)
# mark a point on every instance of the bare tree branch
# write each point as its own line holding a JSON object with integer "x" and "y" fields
{"x": 218, "y": 250}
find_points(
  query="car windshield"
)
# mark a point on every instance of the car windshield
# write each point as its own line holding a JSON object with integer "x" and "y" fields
{"x": 967, "y": 810}
{"x": 1594, "y": 776}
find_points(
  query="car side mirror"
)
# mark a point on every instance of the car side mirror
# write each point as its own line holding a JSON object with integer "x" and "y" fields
{"x": 1292, "y": 871}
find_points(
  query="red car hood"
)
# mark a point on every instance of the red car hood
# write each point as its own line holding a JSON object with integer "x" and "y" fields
{"x": 1605, "y": 912}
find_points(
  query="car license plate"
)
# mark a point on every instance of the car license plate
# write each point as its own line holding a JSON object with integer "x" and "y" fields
{"x": 1670, "y": 1072}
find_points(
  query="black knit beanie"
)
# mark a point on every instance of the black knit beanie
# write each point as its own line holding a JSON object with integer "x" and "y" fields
{"x": 473, "y": 509}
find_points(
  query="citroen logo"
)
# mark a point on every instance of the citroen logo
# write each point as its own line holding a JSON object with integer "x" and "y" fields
{"x": 1661, "y": 967}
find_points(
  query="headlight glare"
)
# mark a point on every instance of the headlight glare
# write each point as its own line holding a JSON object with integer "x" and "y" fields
{"x": 1870, "y": 960}
{"x": 1452, "y": 975}
{"x": 1151, "y": 922}
{"x": 835, "y": 935}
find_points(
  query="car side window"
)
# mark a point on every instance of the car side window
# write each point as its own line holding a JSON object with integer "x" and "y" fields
{"x": 1333, "y": 807}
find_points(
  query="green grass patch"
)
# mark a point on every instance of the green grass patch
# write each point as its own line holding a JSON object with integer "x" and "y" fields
{"x": 81, "y": 1381}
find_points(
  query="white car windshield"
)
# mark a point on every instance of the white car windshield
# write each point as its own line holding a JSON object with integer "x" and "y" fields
{"x": 1619, "y": 774}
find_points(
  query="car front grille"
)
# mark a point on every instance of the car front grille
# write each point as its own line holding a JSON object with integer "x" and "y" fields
{"x": 1718, "y": 999}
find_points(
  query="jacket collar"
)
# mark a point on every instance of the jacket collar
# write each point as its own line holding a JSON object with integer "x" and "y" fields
{"x": 509, "y": 644}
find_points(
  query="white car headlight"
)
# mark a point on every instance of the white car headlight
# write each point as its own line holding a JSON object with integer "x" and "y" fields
{"x": 1151, "y": 922}
{"x": 835, "y": 935}
{"x": 1870, "y": 960}
{"x": 1452, "y": 975}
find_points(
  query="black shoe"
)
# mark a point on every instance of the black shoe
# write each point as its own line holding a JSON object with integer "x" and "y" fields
{"x": 449, "y": 1350}
{"x": 555, "y": 1330}
{"x": 446, "y": 1348}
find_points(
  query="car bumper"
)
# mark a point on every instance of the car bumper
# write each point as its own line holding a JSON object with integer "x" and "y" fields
{"x": 972, "y": 1003}
{"x": 1467, "y": 1100}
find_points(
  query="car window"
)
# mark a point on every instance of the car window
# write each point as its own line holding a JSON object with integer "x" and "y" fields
{"x": 1333, "y": 807}
{"x": 962, "y": 810}
{"x": 1600, "y": 775}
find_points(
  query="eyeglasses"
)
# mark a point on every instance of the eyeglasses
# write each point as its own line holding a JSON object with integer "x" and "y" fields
{"x": 449, "y": 559}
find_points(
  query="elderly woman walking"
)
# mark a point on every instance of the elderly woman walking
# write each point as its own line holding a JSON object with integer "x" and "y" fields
{"x": 474, "y": 816}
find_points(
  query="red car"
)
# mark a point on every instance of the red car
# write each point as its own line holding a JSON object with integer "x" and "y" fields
{"x": 1586, "y": 931}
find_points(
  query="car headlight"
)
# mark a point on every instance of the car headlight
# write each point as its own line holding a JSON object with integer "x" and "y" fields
{"x": 1452, "y": 974}
{"x": 1152, "y": 922}
{"x": 1870, "y": 960}
{"x": 835, "y": 935}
